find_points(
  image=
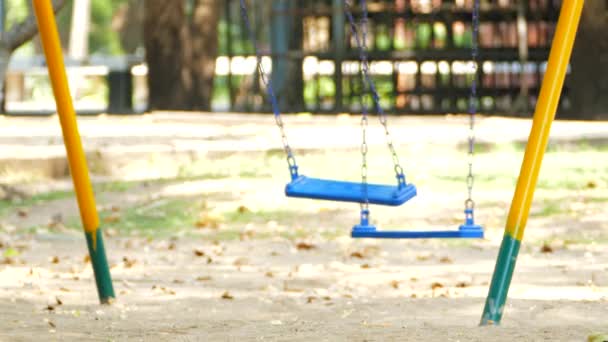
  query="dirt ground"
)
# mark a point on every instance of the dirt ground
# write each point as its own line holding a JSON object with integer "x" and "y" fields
{"x": 215, "y": 252}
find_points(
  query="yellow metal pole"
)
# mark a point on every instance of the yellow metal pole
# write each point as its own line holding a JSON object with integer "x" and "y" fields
{"x": 76, "y": 157}
{"x": 544, "y": 115}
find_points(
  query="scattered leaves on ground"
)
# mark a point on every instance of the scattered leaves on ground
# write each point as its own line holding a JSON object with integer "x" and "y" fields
{"x": 208, "y": 221}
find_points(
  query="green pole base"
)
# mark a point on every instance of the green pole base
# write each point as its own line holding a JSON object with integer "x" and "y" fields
{"x": 103, "y": 279}
{"x": 501, "y": 280}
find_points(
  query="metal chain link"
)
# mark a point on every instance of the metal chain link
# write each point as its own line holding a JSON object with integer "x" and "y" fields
{"x": 469, "y": 203}
{"x": 364, "y": 149}
{"x": 368, "y": 81}
{"x": 291, "y": 160}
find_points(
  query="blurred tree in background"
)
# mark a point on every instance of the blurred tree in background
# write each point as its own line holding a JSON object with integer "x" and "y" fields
{"x": 19, "y": 29}
{"x": 105, "y": 34}
{"x": 181, "y": 40}
{"x": 589, "y": 79}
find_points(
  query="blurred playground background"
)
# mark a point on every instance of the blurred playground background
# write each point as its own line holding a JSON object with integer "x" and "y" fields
{"x": 189, "y": 174}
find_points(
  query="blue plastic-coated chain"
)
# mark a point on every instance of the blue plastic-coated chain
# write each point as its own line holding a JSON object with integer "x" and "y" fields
{"x": 469, "y": 203}
{"x": 369, "y": 82}
{"x": 291, "y": 160}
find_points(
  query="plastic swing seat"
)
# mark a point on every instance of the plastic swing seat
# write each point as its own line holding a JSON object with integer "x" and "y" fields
{"x": 332, "y": 190}
{"x": 469, "y": 230}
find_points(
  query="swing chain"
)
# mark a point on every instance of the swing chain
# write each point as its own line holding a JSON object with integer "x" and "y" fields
{"x": 361, "y": 42}
{"x": 364, "y": 149}
{"x": 469, "y": 203}
{"x": 291, "y": 159}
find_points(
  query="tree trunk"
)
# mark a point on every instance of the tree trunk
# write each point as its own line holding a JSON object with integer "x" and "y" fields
{"x": 12, "y": 39}
{"x": 181, "y": 49}
{"x": 5, "y": 55}
{"x": 129, "y": 21}
{"x": 588, "y": 83}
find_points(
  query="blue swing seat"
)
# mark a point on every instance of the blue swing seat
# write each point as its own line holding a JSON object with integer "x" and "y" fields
{"x": 468, "y": 230}
{"x": 464, "y": 232}
{"x": 326, "y": 189}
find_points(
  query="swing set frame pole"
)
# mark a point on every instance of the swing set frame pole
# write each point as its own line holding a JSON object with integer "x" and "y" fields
{"x": 49, "y": 37}
{"x": 544, "y": 115}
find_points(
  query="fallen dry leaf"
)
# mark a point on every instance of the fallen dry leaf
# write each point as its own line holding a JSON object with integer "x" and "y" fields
{"x": 357, "y": 255}
{"x": 365, "y": 266}
{"x": 86, "y": 259}
{"x": 462, "y": 284}
{"x": 546, "y": 248}
{"x": 423, "y": 257}
{"x": 445, "y": 260}
{"x": 209, "y": 221}
{"x": 55, "y": 260}
{"x": 243, "y": 209}
{"x": 269, "y": 274}
{"x": 199, "y": 252}
{"x": 164, "y": 289}
{"x": 22, "y": 213}
{"x": 241, "y": 262}
{"x": 227, "y": 295}
{"x": 395, "y": 284}
{"x": 436, "y": 285}
{"x": 58, "y": 301}
{"x": 128, "y": 263}
{"x": 304, "y": 246}
{"x": 203, "y": 278}
{"x": 113, "y": 218}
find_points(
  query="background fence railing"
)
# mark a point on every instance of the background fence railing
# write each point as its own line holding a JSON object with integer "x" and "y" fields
{"x": 419, "y": 52}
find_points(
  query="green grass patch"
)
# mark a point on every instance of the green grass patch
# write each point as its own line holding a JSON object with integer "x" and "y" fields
{"x": 549, "y": 208}
{"x": 259, "y": 216}
{"x": 161, "y": 217}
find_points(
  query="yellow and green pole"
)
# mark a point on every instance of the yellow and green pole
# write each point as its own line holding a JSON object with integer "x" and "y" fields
{"x": 78, "y": 166}
{"x": 546, "y": 107}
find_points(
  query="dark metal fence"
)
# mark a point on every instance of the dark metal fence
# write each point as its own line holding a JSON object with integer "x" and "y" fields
{"x": 419, "y": 50}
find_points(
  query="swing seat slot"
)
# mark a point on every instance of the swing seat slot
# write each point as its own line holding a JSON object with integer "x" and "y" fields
{"x": 342, "y": 191}
{"x": 464, "y": 232}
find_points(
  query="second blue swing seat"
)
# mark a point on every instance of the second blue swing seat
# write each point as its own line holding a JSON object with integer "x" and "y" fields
{"x": 468, "y": 230}
{"x": 326, "y": 189}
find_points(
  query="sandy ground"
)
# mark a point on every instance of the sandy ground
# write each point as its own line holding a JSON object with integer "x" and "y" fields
{"x": 320, "y": 284}
{"x": 281, "y": 290}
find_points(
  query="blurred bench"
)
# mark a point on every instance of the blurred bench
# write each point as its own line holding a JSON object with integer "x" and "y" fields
{"x": 117, "y": 72}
